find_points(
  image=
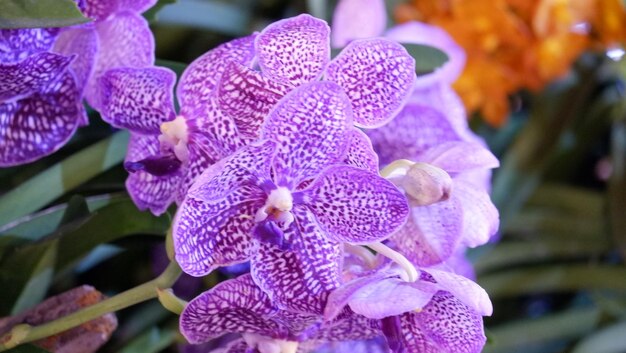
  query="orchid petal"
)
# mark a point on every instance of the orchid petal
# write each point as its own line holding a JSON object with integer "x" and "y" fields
{"x": 18, "y": 44}
{"x": 84, "y": 43}
{"x": 431, "y": 233}
{"x": 361, "y": 153}
{"x": 295, "y": 50}
{"x": 355, "y": 206}
{"x": 299, "y": 278}
{"x": 444, "y": 325}
{"x": 425, "y": 34}
{"x": 415, "y": 129}
{"x": 40, "y": 124}
{"x": 31, "y": 75}
{"x": 138, "y": 99}
{"x": 378, "y": 76}
{"x": 311, "y": 125}
{"x": 351, "y": 327}
{"x": 125, "y": 41}
{"x": 236, "y": 305}
{"x": 484, "y": 220}
{"x": 213, "y": 225}
{"x": 101, "y": 10}
{"x": 202, "y": 76}
{"x": 458, "y": 156}
{"x": 148, "y": 191}
{"x": 357, "y": 19}
{"x": 247, "y": 97}
{"x": 465, "y": 290}
{"x": 199, "y": 161}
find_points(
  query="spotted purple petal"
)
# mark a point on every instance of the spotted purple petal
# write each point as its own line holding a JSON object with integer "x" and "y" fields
{"x": 465, "y": 290}
{"x": 358, "y": 19}
{"x": 422, "y": 33}
{"x": 84, "y": 43}
{"x": 355, "y": 206}
{"x": 431, "y": 233}
{"x": 457, "y": 156}
{"x": 213, "y": 131}
{"x": 361, "y": 153}
{"x": 378, "y": 76}
{"x": 299, "y": 278}
{"x": 40, "y": 124}
{"x": 213, "y": 225}
{"x": 444, "y": 325}
{"x": 138, "y": 99}
{"x": 18, "y": 44}
{"x": 101, "y": 10}
{"x": 201, "y": 77}
{"x": 236, "y": 305}
{"x": 148, "y": 191}
{"x": 350, "y": 327}
{"x": 415, "y": 129}
{"x": 247, "y": 97}
{"x": 31, "y": 75}
{"x": 483, "y": 218}
{"x": 295, "y": 50}
{"x": 125, "y": 41}
{"x": 311, "y": 125}
{"x": 199, "y": 161}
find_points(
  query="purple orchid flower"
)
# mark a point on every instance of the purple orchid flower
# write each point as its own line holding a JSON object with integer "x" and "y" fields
{"x": 40, "y": 100}
{"x": 239, "y": 306}
{"x": 288, "y": 201}
{"x": 377, "y": 74}
{"x": 440, "y": 312}
{"x": 168, "y": 151}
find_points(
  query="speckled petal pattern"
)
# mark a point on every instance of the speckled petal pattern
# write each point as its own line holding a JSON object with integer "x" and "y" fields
{"x": 40, "y": 124}
{"x": 213, "y": 225}
{"x": 100, "y": 10}
{"x": 138, "y": 99}
{"x": 17, "y": 44}
{"x": 444, "y": 325}
{"x": 299, "y": 278}
{"x": 247, "y": 96}
{"x": 355, "y": 206}
{"x": 236, "y": 305}
{"x": 125, "y": 41}
{"x": 32, "y": 75}
{"x": 311, "y": 126}
{"x": 149, "y": 192}
{"x": 361, "y": 153}
{"x": 295, "y": 50}
{"x": 201, "y": 77}
{"x": 378, "y": 76}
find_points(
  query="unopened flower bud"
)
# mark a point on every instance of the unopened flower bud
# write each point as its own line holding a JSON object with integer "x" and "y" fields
{"x": 426, "y": 184}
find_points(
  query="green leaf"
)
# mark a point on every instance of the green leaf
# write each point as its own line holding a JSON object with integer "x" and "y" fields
{"x": 61, "y": 177}
{"x": 25, "y": 276}
{"x": 39, "y": 13}
{"x": 617, "y": 185}
{"x": 427, "y": 58}
{"x": 27, "y": 348}
{"x": 611, "y": 339}
{"x": 151, "y": 14}
{"x": 76, "y": 210}
{"x": 521, "y": 335}
{"x": 153, "y": 341}
{"x": 551, "y": 279}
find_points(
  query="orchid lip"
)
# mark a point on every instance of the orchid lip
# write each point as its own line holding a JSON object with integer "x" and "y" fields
{"x": 155, "y": 165}
{"x": 175, "y": 136}
{"x": 277, "y": 207}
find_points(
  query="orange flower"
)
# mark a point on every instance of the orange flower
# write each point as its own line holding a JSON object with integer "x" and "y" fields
{"x": 518, "y": 44}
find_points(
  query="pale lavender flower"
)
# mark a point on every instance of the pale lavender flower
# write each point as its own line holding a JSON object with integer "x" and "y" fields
{"x": 239, "y": 306}
{"x": 168, "y": 151}
{"x": 287, "y": 202}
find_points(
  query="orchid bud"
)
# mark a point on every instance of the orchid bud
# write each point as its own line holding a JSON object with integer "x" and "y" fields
{"x": 426, "y": 184}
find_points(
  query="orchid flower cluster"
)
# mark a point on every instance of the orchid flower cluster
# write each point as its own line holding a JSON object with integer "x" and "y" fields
{"x": 269, "y": 164}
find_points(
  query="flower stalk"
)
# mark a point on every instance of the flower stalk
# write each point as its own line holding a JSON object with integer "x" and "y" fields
{"x": 24, "y": 333}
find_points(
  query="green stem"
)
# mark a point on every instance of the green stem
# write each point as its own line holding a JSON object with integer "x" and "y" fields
{"x": 123, "y": 300}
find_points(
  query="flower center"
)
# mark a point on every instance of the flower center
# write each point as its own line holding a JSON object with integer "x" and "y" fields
{"x": 277, "y": 207}
{"x": 269, "y": 345}
{"x": 174, "y": 136}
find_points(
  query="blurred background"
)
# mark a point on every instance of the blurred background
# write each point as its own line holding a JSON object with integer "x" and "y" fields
{"x": 544, "y": 85}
